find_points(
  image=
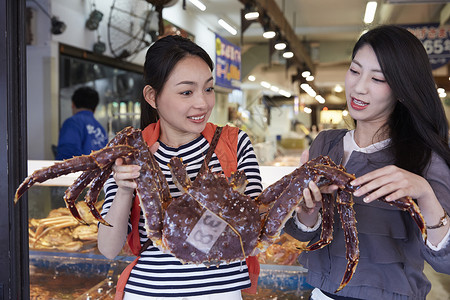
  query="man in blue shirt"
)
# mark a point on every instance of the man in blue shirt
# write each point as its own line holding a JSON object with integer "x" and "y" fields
{"x": 81, "y": 133}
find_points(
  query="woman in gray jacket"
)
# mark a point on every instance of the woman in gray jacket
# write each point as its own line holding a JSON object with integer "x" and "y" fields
{"x": 399, "y": 148}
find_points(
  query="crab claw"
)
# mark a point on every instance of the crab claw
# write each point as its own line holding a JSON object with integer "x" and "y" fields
{"x": 180, "y": 177}
{"x": 347, "y": 214}
{"x": 94, "y": 191}
{"x": 326, "y": 235}
{"x": 72, "y": 193}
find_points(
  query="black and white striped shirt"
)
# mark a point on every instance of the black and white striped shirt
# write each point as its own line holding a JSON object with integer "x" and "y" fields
{"x": 162, "y": 275}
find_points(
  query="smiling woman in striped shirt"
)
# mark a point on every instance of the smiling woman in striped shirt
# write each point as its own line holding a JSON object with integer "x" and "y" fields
{"x": 180, "y": 89}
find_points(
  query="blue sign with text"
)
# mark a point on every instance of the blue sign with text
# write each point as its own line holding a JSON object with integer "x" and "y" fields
{"x": 436, "y": 40}
{"x": 228, "y": 64}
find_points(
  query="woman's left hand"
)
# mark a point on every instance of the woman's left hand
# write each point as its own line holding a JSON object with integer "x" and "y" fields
{"x": 393, "y": 183}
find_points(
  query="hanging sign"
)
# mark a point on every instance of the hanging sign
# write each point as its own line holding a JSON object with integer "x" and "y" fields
{"x": 228, "y": 64}
{"x": 436, "y": 40}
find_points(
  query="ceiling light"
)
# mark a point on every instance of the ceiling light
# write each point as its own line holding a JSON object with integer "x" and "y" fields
{"x": 308, "y": 89}
{"x": 269, "y": 34}
{"x": 250, "y": 12}
{"x": 227, "y": 27}
{"x": 338, "y": 88}
{"x": 306, "y": 74}
{"x": 198, "y": 4}
{"x": 285, "y": 93}
{"x": 274, "y": 88}
{"x": 288, "y": 54}
{"x": 265, "y": 84}
{"x": 252, "y": 15}
{"x": 307, "y": 110}
{"x": 280, "y": 45}
{"x": 251, "y": 78}
{"x": 371, "y": 8}
{"x": 309, "y": 78}
{"x": 320, "y": 99}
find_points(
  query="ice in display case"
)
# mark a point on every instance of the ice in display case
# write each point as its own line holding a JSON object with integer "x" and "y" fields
{"x": 66, "y": 264}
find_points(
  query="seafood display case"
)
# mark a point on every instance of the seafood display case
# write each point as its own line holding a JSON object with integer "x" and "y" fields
{"x": 66, "y": 264}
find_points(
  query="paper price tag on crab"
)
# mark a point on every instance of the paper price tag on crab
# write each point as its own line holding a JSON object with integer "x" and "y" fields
{"x": 206, "y": 232}
{"x": 214, "y": 221}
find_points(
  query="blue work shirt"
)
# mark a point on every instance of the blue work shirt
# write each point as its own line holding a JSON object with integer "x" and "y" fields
{"x": 80, "y": 134}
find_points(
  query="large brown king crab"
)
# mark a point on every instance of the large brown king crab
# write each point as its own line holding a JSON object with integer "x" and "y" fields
{"x": 213, "y": 221}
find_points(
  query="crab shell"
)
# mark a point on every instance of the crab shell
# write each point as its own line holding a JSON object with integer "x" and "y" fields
{"x": 211, "y": 222}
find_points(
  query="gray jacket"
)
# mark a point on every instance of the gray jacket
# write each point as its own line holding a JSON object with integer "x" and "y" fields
{"x": 392, "y": 252}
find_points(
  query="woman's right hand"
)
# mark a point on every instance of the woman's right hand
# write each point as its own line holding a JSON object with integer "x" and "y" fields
{"x": 308, "y": 210}
{"x": 124, "y": 175}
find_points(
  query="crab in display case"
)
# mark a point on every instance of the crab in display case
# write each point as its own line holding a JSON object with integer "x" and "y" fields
{"x": 213, "y": 221}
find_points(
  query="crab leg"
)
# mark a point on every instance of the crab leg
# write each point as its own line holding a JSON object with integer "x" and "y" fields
{"x": 146, "y": 160}
{"x": 149, "y": 194}
{"x": 337, "y": 175}
{"x": 407, "y": 204}
{"x": 72, "y": 193}
{"x": 348, "y": 221}
{"x": 100, "y": 179}
{"x": 283, "y": 207}
{"x": 92, "y": 194}
{"x": 238, "y": 181}
{"x": 97, "y": 159}
{"x": 326, "y": 236}
{"x": 152, "y": 188}
{"x": 271, "y": 193}
{"x": 180, "y": 177}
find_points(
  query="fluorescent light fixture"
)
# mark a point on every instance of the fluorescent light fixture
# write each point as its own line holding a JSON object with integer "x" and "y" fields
{"x": 309, "y": 78}
{"x": 285, "y": 93}
{"x": 274, "y": 88}
{"x": 265, "y": 84}
{"x": 252, "y": 15}
{"x": 308, "y": 89}
{"x": 288, "y": 54}
{"x": 198, "y": 4}
{"x": 251, "y": 78}
{"x": 320, "y": 99}
{"x": 227, "y": 27}
{"x": 307, "y": 110}
{"x": 371, "y": 8}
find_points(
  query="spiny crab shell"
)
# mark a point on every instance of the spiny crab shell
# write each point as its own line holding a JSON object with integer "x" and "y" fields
{"x": 212, "y": 221}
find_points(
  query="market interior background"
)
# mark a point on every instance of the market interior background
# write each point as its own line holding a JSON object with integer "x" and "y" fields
{"x": 276, "y": 99}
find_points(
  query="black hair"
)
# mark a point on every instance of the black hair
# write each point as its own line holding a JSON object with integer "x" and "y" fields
{"x": 85, "y": 97}
{"x": 160, "y": 60}
{"x": 417, "y": 125}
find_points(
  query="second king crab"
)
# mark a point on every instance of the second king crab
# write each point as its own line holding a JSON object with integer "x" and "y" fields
{"x": 213, "y": 221}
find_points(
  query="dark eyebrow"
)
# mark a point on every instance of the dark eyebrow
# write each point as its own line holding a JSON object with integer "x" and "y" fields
{"x": 192, "y": 83}
{"x": 360, "y": 65}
